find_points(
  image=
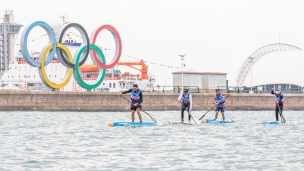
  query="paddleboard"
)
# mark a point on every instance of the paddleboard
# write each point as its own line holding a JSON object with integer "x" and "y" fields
{"x": 271, "y": 122}
{"x": 215, "y": 121}
{"x": 112, "y": 124}
{"x": 179, "y": 123}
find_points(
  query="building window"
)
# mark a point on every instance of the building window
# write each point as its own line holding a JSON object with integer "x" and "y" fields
{"x": 110, "y": 85}
{"x": 113, "y": 85}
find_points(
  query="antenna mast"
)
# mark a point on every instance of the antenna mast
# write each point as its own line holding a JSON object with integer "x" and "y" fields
{"x": 63, "y": 16}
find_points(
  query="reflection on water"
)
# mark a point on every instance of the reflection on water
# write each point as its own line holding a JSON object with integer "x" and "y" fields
{"x": 82, "y": 141}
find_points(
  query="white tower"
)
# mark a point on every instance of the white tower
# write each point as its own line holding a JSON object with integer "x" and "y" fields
{"x": 8, "y": 31}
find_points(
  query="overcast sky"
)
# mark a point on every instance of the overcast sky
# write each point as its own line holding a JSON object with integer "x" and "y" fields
{"x": 215, "y": 35}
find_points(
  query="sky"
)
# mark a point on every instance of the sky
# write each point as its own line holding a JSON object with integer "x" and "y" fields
{"x": 215, "y": 35}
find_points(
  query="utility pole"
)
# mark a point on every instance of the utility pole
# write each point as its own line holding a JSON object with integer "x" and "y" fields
{"x": 182, "y": 58}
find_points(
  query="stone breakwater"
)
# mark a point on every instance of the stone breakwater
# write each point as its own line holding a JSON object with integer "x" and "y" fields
{"x": 98, "y": 101}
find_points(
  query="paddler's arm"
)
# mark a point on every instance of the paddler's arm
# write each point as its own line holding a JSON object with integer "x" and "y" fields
{"x": 213, "y": 101}
{"x": 190, "y": 98}
{"x": 180, "y": 98}
{"x": 281, "y": 98}
{"x": 272, "y": 91}
{"x": 140, "y": 98}
{"x": 225, "y": 94}
{"x": 124, "y": 92}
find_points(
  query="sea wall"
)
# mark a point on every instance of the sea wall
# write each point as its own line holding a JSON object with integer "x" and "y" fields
{"x": 93, "y": 101}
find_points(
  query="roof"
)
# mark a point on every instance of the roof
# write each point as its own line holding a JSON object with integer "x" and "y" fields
{"x": 201, "y": 73}
{"x": 276, "y": 84}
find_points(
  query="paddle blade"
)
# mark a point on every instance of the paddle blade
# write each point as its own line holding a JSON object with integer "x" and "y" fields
{"x": 283, "y": 119}
{"x": 153, "y": 119}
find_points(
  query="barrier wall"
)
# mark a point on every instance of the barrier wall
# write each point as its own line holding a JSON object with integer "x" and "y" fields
{"x": 92, "y": 101}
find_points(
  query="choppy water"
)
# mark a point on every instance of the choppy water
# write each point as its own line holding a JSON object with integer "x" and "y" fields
{"x": 82, "y": 141}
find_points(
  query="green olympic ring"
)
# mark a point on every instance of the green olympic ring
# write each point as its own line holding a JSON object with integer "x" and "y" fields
{"x": 76, "y": 71}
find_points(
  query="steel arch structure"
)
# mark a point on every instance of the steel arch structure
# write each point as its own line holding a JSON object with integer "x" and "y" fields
{"x": 259, "y": 53}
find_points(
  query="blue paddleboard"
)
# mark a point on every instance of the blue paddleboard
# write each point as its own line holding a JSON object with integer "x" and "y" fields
{"x": 216, "y": 121}
{"x": 271, "y": 122}
{"x": 112, "y": 124}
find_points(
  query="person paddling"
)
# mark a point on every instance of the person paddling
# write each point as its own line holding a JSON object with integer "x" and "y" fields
{"x": 136, "y": 99}
{"x": 219, "y": 100}
{"x": 279, "y": 103}
{"x": 185, "y": 98}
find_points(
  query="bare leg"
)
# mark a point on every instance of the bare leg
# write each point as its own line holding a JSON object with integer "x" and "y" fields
{"x": 132, "y": 115}
{"x": 223, "y": 116}
{"x": 139, "y": 115}
{"x": 216, "y": 113}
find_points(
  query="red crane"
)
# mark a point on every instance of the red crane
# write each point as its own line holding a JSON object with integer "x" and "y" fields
{"x": 143, "y": 70}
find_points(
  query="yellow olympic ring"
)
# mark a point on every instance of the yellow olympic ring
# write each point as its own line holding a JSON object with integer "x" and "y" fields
{"x": 69, "y": 72}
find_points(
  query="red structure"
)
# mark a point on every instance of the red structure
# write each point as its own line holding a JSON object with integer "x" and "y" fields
{"x": 143, "y": 70}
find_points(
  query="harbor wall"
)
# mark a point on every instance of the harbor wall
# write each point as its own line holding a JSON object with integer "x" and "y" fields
{"x": 93, "y": 101}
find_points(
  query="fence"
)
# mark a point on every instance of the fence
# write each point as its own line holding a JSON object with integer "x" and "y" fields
{"x": 175, "y": 89}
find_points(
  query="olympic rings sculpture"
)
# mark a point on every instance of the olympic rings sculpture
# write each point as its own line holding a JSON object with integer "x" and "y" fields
{"x": 64, "y": 55}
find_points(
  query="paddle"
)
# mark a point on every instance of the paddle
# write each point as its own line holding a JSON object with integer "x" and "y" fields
{"x": 141, "y": 110}
{"x": 282, "y": 117}
{"x": 229, "y": 117}
{"x": 193, "y": 119}
{"x": 188, "y": 114}
{"x": 211, "y": 109}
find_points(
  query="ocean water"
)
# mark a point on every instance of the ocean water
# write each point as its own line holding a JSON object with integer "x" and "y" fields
{"x": 83, "y": 141}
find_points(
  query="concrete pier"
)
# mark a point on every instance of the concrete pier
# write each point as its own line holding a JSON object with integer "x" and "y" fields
{"x": 93, "y": 101}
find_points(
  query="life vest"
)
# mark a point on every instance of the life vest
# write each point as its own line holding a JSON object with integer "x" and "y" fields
{"x": 220, "y": 99}
{"x": 135, "y": 98}
{"x": 278, "y": 98}
{"x": 186, "y": 99}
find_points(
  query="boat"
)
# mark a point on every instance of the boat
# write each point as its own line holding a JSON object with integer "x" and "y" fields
{"x": 118, "y": 123}
{"x": 23, "y": 77}
{"x": 216, "y": 121}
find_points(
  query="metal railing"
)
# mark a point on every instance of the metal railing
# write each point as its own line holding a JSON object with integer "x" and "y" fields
{"x": 232, "y": 89}
{"x": 176, "y": 89}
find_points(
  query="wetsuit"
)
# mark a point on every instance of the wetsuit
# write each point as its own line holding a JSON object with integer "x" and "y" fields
{"x": 279, "y": 104}
{"x": 221, "y": 106}
{"x": 186, "y": 103}
{"x": 136, "y": 97}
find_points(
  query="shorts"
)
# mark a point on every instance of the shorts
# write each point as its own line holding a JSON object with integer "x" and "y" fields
{"x": 220, "y": 108}
{"x": 135, "y": 107}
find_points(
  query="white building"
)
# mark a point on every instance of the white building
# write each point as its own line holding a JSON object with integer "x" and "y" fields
{"x": 202, "y": 80}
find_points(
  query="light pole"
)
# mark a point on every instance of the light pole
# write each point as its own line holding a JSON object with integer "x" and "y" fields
{"x": 182, "y": 58}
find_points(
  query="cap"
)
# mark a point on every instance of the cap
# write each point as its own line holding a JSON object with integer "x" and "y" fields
{"x": 277, "y": 91}
{"x": 185, "y": 90}
{"x": 135, "y": 85}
